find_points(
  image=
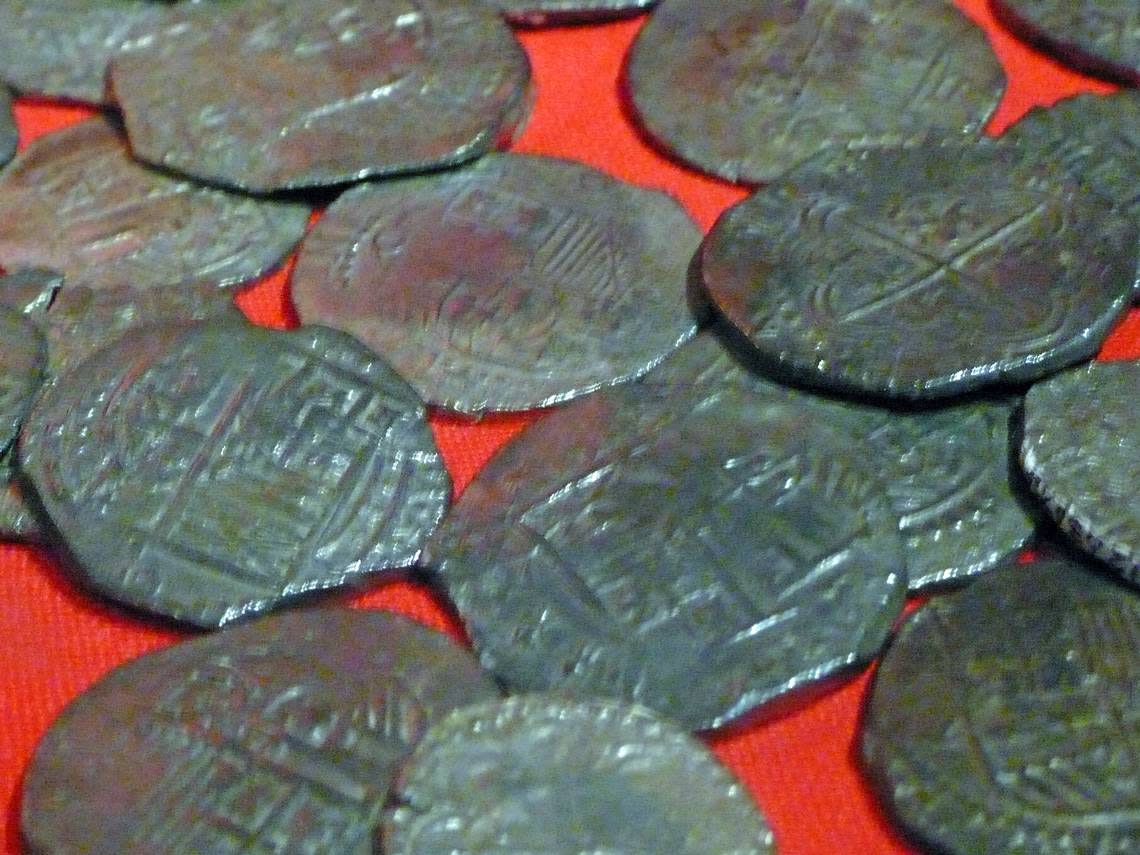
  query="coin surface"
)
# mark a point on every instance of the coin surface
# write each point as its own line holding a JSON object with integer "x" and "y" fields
{"x": 1081, "y": 451}
{"x": 514, "y": 283}
{"x": 22, "y": 356}
{"x": 745, "y": 89}
{"x": 30, "y": 291}
{"x": 1003, "y": 718}
{"x": 282, "y": 735}
{"x": 207, "y": 471}
{"x": 699, "y": 552}
{"x": 538, "y": 773}
{"x": 277, "y": 95}
{"x": 922, "y": 271}
{"x": 544, "y": 12}
{"x": 8, "y": 134}
{"x": 18, "y": 521}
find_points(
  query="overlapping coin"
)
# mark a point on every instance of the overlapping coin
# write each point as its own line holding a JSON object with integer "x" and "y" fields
{"x": 541, "y": 774}
{"x": 517, "y": 282}
{"x": 207, "y": 471}
{"x": 282, "y": 735}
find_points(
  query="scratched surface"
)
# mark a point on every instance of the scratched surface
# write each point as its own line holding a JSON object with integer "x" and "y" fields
{"x": 275, "y": 94}
{"x": 515, "y": 283}
{"x": 206, "y": 471}
{"x": 280, "y": 736}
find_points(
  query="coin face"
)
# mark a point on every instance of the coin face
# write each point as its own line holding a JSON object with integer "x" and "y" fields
{"x": 276, "y": 95}
{"x": 22, "y": 355}
{"x": 514, "y": 283}
{"x": 1081, "y": 451}
{"x": 539, "y": 773}
{"x": 8, "y": 136}
{"x": 745, "y": 89}
{"x": 281, "y": 735}
{"x": 1003, "y": 717}
{"x": 923, "y": 271}
{"x": 207, "y": 471}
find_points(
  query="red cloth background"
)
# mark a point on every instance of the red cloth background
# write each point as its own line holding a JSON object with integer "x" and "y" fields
{"x": 797, "y": 762}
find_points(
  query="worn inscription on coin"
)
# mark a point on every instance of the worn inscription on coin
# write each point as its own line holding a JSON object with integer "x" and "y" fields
{"x": 274, "y": 94}
{"x": 744, "y": 89}
{"x": 1004, "y": 717}
{"x": 538, "y": 773}
{"x": 515, "y": 283}
{"x": 283, "y": 735}
{"x": 8, "y": 134}
{"x": 207, "y": 471}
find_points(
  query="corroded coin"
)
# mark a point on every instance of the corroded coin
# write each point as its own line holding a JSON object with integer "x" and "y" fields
{"x": 745, "y": 89}
{"x": 75, "y": 201}
{"x": 283, "y": 735}
{"x": 1081, "y": 451}
{"x": 206, "y": 471}
{"x": 1004, "y": 717}
{"x": 8, "y": 133}
{"x": 539, "y": 774}
{"x": 922, "y": 271}
{"x": 275, "y": 94}
{"x": 517, "y": 282}
{"x": 545, "y": 12}
{"x": 697, "y": 551}
{"x": 22, "y": 356}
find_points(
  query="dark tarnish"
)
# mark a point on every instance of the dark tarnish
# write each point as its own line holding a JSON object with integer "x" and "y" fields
{"x": 514, "y": 283}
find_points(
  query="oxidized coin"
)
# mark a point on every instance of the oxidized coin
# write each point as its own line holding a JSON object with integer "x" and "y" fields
{"x": 75, "y": 201}
{"x": 1004, "y": 717}
{"x": 275, "y": 94}
{"x": 22, "y": 355}
{"x": 517, "y": 282}
{"x": 745, "y": 89}
{"x": 1081, "y": 451}
{"x": 697, "y": 550}
{"x": 8, "y": 133}
{"x": 544, "y": 12}
{"x": 206, "y": 471}
{"x": 282, "y": 735}
{"x": 541, "y": 774}
{"x": 922, "y": 271}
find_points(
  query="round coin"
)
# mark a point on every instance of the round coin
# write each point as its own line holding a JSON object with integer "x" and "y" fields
{"x": 541, "y": 774}
{"x": 1004, "y": 717}
{"x": 275, "y": 94}
{"x": 921, "y": 272}
{"x": 22, "y": 355}
{"x": 517, "y": 282}
{"x": 207, "y": 471}
{"x": 1081, "y": 451}
{"x": 283, "y": 735}
{"x": 745, "y": 89}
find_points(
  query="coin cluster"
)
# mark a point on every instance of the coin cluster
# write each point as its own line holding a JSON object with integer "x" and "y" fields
{"x": 869, "y": 379}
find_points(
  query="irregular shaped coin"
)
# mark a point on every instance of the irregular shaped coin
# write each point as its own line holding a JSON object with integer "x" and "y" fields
{"x": 745, "y": 89}
{"x": 282, "y": 735}
{"x": 22, "y": 355}
{"x": 541, "y": 774}
{"x": 8, "y": 134}
{"x": 207, "y": 471}
{"x": 1081, "y": 451}
{"x": 1004, "y": 717}
{"x": 275, "y": 94}
{"x": 517, "y": 282}
{"x": 922, "y": 271}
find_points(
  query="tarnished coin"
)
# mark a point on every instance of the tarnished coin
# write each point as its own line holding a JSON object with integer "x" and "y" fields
{"x": 18, "y": 520}
{"x": 282, "y": 735}
{"x": 22, "y": 357}
{"x": 517, "y": 282}
{"x": 30, "y": 291}
{"x": 273, "y": 94}
{"x": 543, "y": 12}
{"x": 539, "y": 774}
{"x": 8, "y": 133}
{"x": 1081, "y": 451}
{"x": 699, "y": 552}
{"x": 922, "y": 271}
{"x": 745, "y": 89}
{"x": 1004, "y": 717}
{"x": 206, "y": 471}
{"x": 75, "y": 201}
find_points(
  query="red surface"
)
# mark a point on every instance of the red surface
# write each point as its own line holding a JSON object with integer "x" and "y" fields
{"x": 798, "y": 762}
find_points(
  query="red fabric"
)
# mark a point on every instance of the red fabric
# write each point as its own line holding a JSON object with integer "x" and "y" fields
{"x": 797, "y": 761}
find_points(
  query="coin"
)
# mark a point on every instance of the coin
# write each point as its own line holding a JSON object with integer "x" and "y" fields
{"x": 22, "y": 354}
{"x": 8, "y": 134}
{"x": 18, "y": 520}
{"x": 745, "y": 89}
{"x": 542, "y": 774}
{"x": 514, "y": 283}
{"x": 1081, "y": 451}
{"x": 923, "y": 271}
{"x": 1003, "y": 718}
{"x": 30, "y": 291}
{"x": 277, "y": 95}
{"x": 207, "y": 471}
{"x": 282, "y": 735}
{"x": 700, "y": 552}
{"x": 547, "y": 12}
